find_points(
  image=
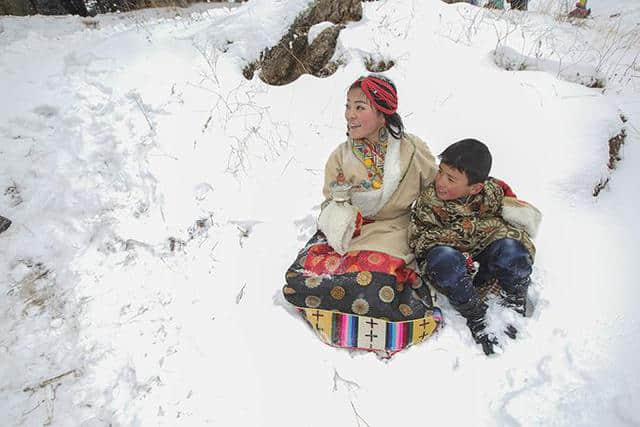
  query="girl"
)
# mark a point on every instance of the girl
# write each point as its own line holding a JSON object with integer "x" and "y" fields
{"x": 358, "y": 267}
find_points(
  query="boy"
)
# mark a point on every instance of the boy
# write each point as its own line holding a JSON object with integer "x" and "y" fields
{"x": 466, "y": 216}
{"x": 515, "y": 4}
{"x": 581, "y": 10}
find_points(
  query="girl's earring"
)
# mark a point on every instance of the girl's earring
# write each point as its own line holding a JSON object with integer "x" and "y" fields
{"x": 383, "y": 134}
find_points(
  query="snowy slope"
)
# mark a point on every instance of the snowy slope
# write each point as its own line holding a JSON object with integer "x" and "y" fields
{"x": 158, "y": 197}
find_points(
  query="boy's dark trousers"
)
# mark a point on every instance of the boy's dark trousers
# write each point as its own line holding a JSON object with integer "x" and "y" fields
{"x": 505, "y": 260}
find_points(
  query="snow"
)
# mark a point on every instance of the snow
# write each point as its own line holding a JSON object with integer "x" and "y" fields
{"x": 316, "y": 29}
{"x": 157, "y": 198}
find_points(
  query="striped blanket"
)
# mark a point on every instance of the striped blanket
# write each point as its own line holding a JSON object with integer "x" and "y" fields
{"x": 368, "y": 333}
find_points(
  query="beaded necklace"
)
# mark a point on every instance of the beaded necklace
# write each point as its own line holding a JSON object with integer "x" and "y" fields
{"x": 372, "y": 157}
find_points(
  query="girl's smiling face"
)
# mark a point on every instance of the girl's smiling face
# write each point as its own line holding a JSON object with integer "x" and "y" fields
{"x": 363, "y": 121}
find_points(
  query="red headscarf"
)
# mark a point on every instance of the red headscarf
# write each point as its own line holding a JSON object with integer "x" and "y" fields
{"x": 381, "y": 93}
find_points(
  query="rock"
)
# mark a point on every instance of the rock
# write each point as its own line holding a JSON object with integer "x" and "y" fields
{"x": 4, "y": 224}
{"x": 294, "y": 56}
{"x": 16, "y": 7}
{"x": 43, "y": 7}
{"x": 379, "y": 65}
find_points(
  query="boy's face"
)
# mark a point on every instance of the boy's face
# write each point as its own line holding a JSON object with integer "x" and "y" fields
{"x": 452, "y": 183}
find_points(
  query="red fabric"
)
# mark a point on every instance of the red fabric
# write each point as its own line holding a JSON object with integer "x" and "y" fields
{"x": 359, "y": 224}
{"x": 378, "y": 90}
{"x": 468, "y": 260}
{"x": 508, "y": 192}
{"x": 322, "y": 259}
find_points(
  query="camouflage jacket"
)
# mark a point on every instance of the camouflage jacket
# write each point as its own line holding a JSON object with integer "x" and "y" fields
{"x": 468, "y": 224}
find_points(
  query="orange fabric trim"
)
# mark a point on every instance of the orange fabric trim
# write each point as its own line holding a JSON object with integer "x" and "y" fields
{"x": 322, "y": 259}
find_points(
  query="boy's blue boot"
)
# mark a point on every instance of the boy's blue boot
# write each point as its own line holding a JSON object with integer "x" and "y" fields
{"x": 516, "y": 297}
{"x": 474, "y": 311}
{"x": 507, "y": 262}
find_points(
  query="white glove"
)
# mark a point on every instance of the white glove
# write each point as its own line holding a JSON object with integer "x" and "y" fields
{"x": 338, "y": 223}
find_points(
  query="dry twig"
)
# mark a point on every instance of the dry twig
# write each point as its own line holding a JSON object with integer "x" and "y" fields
{"x": 48, "y": 381}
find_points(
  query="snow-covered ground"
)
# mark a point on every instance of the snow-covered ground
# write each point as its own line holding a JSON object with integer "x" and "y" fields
{"x": 158, "y": 197}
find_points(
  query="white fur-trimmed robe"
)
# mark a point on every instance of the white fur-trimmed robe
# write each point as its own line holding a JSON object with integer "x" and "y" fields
{"x": 409, "y": 167}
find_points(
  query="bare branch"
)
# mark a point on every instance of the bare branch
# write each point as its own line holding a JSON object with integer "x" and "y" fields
{"x": 48, "y": 381}
{"x": 240, "y": 294}
{"x": 358, "y": 416}
{"x": 351, "y": 385}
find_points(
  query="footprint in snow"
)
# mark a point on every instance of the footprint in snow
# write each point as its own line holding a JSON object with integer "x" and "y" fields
{"x": 46, "y": 111}
{"x": 245, "y": 228}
